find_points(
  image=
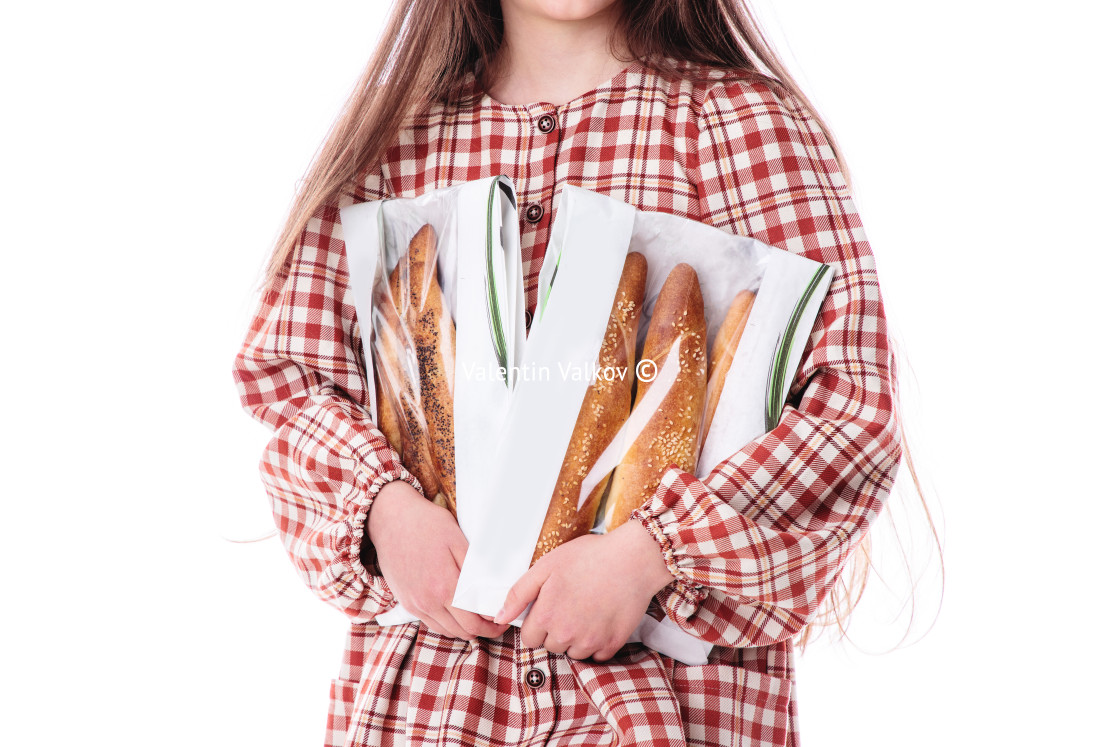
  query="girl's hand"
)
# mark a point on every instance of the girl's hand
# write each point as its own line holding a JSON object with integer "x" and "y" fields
{"x": 420, "y": 549}
{"x": 590, "y": 593}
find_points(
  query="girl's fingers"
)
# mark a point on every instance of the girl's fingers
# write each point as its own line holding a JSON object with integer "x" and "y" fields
{"x": 532, "y": 635}
{"x": 475, "y": 625}
{"x": 425, "y": 567}
{"x": 556, "y": 645}
{"x": 611, "y": 648}
{"x": 579, "y": 652}
{"x": 522, "y": 593}
{"x": 604, "y": 654}
{"x": 433, "y": 626}
{"x": 450, "y": 625}
{"x": 489, "y": 629}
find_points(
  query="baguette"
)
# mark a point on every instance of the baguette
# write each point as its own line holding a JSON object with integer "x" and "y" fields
{"x": 386, "y": 336}
{"x": 433, "y": 335}
{"x": 723, "y": 352}
{"x": 413, "y": 322}
{"x": 606, "y": 405}
{"x": 387, "y": 421}
{"x": 671, "y": 436}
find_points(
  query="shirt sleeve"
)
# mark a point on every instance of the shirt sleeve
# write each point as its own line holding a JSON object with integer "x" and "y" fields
{"x": 300, "y": 371}
{"x": 756, "y": 546}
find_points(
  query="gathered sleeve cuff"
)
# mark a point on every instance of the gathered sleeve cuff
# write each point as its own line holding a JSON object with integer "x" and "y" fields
{"x": 322, "y": 471}
{"x": 756, "y": 546}
{"x": 300, "y": 372}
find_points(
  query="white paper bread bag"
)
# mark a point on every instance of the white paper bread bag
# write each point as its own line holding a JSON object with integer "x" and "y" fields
{"x": 517, "y": 398}
{"x": 479, "y": 262}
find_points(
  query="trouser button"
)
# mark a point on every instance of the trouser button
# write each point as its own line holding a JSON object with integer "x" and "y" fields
{"x": 534, "y": 678}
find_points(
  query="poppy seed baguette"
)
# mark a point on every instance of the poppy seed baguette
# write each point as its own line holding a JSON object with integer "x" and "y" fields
{"x": 413, "y": 320}
{"x": 433, "y": 336}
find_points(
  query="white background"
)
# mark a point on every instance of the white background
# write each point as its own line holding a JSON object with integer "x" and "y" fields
{"x": 149, "y": 153}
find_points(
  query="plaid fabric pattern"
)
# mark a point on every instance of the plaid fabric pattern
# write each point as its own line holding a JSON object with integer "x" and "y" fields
{"x": 754, "y": 547}
{"x": 418, "y": 687}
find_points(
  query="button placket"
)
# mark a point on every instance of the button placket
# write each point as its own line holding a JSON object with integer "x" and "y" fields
{"x": 538, "y": 183}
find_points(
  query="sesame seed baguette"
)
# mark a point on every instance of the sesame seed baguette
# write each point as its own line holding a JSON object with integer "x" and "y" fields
{"x": 723, "y": 352}
{"x": 672, "y": 434}
{"x": 606, "y": 405}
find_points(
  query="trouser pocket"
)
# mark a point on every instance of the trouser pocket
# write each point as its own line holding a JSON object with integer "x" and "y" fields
{"x": 724, "y": 705}
{"x": 343, "y": 693}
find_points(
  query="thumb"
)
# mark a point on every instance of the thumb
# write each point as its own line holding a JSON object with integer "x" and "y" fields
{"x": 458, "y": 547}
{"x": 451, "y": 535}
{"x": 521, "y": 594}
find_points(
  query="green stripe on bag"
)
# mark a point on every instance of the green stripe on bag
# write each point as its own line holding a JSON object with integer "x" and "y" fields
{"x": 494, "y": 311}
{"x": 776, "y": 385}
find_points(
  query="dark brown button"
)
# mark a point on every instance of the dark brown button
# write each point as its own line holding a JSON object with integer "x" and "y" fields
{"x": 546, "y": 123}
{"x": 534, "y": 213}
{"x": 534, "y": 678}
{"x": 528, "y": 320}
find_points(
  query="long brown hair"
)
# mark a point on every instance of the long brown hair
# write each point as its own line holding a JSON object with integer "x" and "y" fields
{"x": 427, "y": 54}
{"x": 430, "y": 48}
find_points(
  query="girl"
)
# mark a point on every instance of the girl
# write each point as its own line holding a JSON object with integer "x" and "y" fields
{"x": 668, "y": 105}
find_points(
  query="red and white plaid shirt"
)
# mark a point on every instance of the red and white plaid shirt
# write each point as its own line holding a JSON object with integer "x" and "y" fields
{"x": 754, "y": 547}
